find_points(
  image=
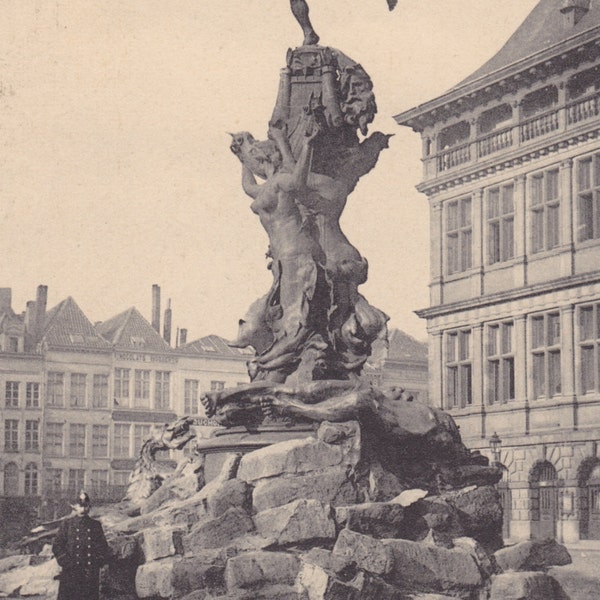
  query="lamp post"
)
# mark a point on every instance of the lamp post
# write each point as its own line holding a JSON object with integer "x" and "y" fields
{"x": 495, "y": 445}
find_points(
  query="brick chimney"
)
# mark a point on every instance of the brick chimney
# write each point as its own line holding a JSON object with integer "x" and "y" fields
{"x": 182, "y": 337}
{"x": 5, "y": 299}
{"x": 574, "y": 11}
{"x": 167, "y": 323}
{"x": 156, "y": 307}
{"x": 41, "y": 302}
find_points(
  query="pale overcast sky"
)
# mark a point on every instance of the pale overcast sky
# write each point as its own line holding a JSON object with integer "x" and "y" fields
{"x": 115, "y": 167}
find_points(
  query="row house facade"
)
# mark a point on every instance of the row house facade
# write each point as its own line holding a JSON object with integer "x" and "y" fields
{"x": 78, "y": 400}
{"x": 511, "y": 161}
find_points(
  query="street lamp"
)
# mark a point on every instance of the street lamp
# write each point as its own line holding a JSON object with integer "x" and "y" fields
{"x": 495, "y": 445}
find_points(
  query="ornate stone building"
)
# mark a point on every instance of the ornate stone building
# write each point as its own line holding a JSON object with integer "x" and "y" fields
{"x": 512, "y": 173}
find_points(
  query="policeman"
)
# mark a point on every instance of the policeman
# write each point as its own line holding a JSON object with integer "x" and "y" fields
{"x": 80, "y": 549}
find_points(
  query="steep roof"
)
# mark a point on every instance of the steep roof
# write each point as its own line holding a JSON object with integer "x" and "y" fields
{"x": 403, "y": 347}
{"x": 543, "y": 28}
{"x": 130, "y": 331}
{"x": 66, "y": 326}
{"x": 213, "y": 345}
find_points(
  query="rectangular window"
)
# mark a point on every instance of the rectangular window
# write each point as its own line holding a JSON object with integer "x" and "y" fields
{"x": 500, "y": 223}
{"x": 217, "y": 386}
{"x": 545, "y": 343}
{"x": 500, "y": 363}
{"x": 77, "y": 439}
{"x": 11, "y": 435}
{"x": 162, "y": 385}
{"x": 458, "y": 236}
{"x": 100, "y": 391}
{"x": 78, "y": 389}
{"x": 76, "y": 481}
{"x": 11, "y": 394}
{"x": 122, "y": 386}
{"x": 32, "y": 395}
{"x": 190, "y": 396}
{"x": 588, "y": 199}
{"x": 140, "y": 434}
{"x": 53, "y": 481}
{"x": 142, "y": 388}
{"x": 55, "y": 389}
{"x": 99, "y": 441}
{"x": 31, "y": 480}
{"x": 458, "y": 369}
{"x": 589, "y": 347}
{"x": 545, "y": 209}
{"x": 53, "y": 440}
{"x": 121, "y": 441}
{"x": 32, "y": 436}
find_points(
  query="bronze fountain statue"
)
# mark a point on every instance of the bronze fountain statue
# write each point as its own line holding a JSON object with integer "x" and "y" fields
{"x": 313, "y": 331}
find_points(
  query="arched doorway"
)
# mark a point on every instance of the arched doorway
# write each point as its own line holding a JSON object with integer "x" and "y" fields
{"x": 11, "y": 479}
{"x": 589, "y": 499}
{"x": 544, "y": 500}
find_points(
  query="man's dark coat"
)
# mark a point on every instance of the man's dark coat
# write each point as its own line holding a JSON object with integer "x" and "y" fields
{"x": 80, "y": 549}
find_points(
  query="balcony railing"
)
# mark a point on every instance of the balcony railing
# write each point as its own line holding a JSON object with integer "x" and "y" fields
{"x": 561, "y": 117}
{"x": 454, "y": 157}
{"x": 538, "y": 126}
{"x": 498, "y": 140}
{"x": 582, "y": 110}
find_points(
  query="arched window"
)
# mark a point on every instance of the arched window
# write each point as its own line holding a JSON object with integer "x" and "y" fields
{"x": 31, "y": 480}
{"x": 11, "y": 480}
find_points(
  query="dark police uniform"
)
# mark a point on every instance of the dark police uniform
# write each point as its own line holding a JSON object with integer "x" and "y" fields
{"x": 80, "y": 549}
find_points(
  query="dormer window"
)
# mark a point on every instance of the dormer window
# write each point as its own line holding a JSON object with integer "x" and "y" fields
{"x": 573, "y": 11}
{"x": 137, "y": 341}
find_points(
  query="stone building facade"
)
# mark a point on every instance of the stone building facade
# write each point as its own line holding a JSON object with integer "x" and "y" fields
{"x": 511, "y": 161}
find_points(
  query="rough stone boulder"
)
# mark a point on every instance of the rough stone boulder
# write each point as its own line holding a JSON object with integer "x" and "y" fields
{"x": 298, "y": 522}
{"x": 377, "y": 519}
{"x": 37, "y": 580}
{"x": 525, "y": 586}
{"x": 219, "y": 531}
{"x": 473, "y": 512}
{"x": 253, "y": 570}
{"x": 161, "y": 542}
{"x": 298, "y": 457}
{"x": 333, "y": 485}
{"x": 411, "y": 566}
{"x": 533, "y": 556}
